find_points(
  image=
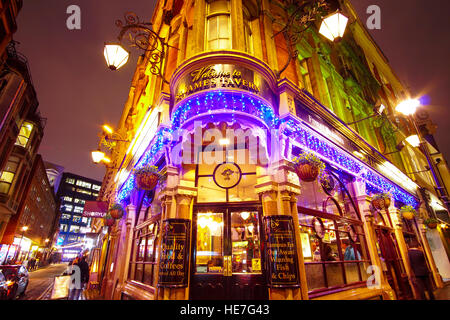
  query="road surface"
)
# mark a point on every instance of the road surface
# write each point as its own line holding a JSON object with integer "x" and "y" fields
{"x": 42, "y": 280}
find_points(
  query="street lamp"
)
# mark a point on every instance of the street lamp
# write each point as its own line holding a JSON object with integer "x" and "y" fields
{"x": 408, "y": 108}
{"x": 141, "y": 36}
{"x": 333, "y": 26}
{"x": 115, "y": 55}
{"x": 97, "y": 156}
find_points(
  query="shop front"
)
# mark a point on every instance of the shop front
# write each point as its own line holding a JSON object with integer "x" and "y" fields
{"x": 232, "y": 219}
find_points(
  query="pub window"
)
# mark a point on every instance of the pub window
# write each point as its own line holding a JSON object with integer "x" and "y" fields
{"x": 143, "y": 264}
{"x": 24, "y": 134}
{"x": 211, "y": 190}
{"x": 332, "y": 236}
{"x": 218, "y": 25}
{"x": 8, "y": 174}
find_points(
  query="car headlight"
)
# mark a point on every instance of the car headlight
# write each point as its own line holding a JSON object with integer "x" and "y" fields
{"x": 9, "y": 283}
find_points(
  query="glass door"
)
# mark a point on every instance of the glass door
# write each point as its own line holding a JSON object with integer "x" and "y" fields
{"x": 227, "y": 257}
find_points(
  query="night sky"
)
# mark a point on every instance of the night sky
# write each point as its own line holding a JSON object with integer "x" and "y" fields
{"x": 77, "y": 93}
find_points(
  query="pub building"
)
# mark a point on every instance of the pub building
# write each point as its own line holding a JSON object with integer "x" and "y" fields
{"x": 224, "y": 120}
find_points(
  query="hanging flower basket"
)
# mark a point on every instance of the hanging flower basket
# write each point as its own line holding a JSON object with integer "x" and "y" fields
{"x": 116, "y": 211}
{"x": 147, "y": 177}
{"x": 108, "y": 220}
{"x": 408, "y": 212}
{"x": 381, "y": 201}
{"x": 431, "y": 223}
{"x": 308, "y": 166}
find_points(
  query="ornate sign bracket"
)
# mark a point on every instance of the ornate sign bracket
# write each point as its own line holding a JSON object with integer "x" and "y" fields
{"x": 141, "y": 36}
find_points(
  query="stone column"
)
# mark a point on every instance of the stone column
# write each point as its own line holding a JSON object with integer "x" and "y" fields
{"x": 426, "y": 248}
{"x": 301, "y": 261}
{"x": 278, "y": 203}
{"x": 183, "y": 197}
{"x": 369, "y": 231}
{"x": 397, "y": 225}
{"x": 124, "y": 252}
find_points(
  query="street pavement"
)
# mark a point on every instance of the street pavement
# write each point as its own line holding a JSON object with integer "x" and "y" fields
{"x": 41, "y": 281}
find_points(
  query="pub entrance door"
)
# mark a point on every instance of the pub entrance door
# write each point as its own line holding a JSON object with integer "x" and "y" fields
{"x": 393, "y": 268}
{"x": 227, "y": 259}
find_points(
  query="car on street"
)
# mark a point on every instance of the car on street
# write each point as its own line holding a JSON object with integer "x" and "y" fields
{"x": 3, "y": 287}
{"x": 16, "y": 279}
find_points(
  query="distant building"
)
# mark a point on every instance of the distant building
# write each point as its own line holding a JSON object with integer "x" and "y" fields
{"x": 21, "y": 132}
{"x": 54, "y": 174}
{"x": 73, "y": 192}
{"x": 38, "y": 213}
{"x": 8, "y": 26}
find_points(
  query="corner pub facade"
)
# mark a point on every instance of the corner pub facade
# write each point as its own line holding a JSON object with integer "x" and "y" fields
{"x": 244, "y": 226}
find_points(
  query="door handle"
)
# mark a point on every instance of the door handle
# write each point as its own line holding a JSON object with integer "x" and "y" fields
{"x": 227, "y": 272}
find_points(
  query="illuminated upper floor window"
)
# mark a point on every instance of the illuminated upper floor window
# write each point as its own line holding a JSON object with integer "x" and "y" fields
{"x": 70, "y": 180}
{"x": 96, "y": 187}
{"x": 7, "y": 176}
{"x": 218, "y": 25}
{"x": 24, "y": 134}
{"x": 83, "y": 184}
{"x": 248, "y": 34}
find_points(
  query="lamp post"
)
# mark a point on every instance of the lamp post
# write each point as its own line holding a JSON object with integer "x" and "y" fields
{"x": 408, "y": 108}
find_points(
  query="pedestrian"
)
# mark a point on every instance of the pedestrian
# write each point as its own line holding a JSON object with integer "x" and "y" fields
{"x": 75, "y": 293}
{"x": 420, "y": 270}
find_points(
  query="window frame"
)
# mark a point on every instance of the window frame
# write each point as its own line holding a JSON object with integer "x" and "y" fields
{"x": 209, "y": 16}
{"x": 138, "y": 236}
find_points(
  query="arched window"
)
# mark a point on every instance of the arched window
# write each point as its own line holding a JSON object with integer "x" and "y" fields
{"x": 218, "y": 25}
{"x": 248, "y": 34}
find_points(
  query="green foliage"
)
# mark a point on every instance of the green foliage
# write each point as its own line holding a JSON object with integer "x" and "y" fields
{"x": 150, "y": 169}
{"x": 430, "y": 220}
{"x": 408, "y": 209}
{"x": 383, "y": 195}
{"x": 311, "y": 159}
{"x": 116, "y": 206}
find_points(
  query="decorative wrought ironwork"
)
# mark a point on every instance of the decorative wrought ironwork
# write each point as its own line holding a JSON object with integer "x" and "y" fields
{"x": 141, "y": 36}
{"x": 300, "y": 15}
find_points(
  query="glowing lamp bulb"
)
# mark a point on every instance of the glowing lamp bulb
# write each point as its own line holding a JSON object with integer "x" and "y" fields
{"x": 115, "y": 56}
{"x": 408, "y": 107}
{"x": 97, "y": 156}
{"x": 413, "y": 140}
{"x": 333, "y": 26}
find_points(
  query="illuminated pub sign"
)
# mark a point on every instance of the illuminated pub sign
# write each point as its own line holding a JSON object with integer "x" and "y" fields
{"x": 173, "y": 265}
{"x": 222, "y": 76}
{"x": 281, "y": 252}
{"x": 95, "y": 209}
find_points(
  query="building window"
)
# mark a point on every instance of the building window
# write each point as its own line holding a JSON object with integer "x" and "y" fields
{"x": 74, "y": 229}
{"x": 8, "y": 174}
{"x": 66, "y": 216}
{"x": 78, "y": 209}
{"x": 70, "y": 180}
{"x": 24, "y": 134}
{"x": 332, "y": 236}
{"x": 63, "y": 228}
{"x": 218, "y": 25}
{"x": 248, "y": 34}
{"x": 76, "y": 219}
{"x": 96, "y": 187}
{"x": 68, "y": 207}
{"x": 67, "y": 199}
{"x": 79, "y": 201}
{"x": 83, "y": 184}
{"x": 143, "y": 262}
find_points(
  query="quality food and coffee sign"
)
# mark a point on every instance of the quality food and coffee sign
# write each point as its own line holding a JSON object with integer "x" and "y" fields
{"x": 281, "y": 252}
{"x": 173, "y": 265}
{"x": 222, "y": 76}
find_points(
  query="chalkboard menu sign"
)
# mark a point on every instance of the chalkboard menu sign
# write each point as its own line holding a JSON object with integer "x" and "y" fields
{"x": 173, "y": 264}
{"x": 281, "y": 252}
